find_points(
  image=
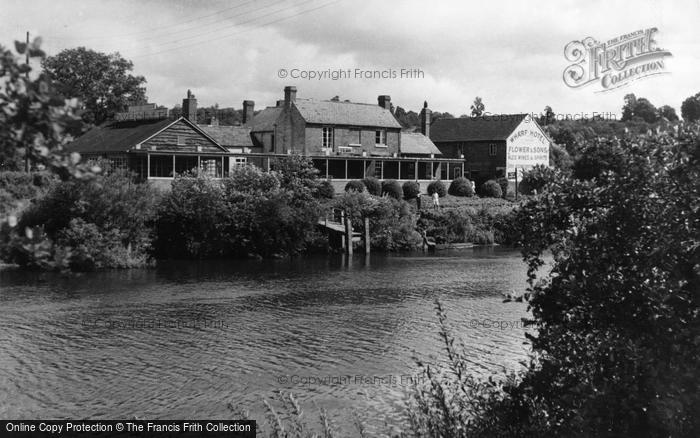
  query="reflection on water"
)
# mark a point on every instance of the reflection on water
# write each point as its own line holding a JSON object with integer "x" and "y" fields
{"x": 183, "y": 340}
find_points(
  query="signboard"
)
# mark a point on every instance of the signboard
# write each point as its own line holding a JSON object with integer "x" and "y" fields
{"x": 526, "y": 147}
{"x": 511, "y": 175}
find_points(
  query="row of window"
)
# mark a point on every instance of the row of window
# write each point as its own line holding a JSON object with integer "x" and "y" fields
{"x": 357, "y": 169}
{"x": 162, "y": 166}
{"x": 328, "y": 137}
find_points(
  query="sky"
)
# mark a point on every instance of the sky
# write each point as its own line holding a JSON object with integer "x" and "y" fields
{"x": 510, "y": 53}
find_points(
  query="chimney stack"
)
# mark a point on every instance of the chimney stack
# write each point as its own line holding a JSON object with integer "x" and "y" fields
{"x": 384, "y": 102}
{"x": 248, "y": 107}
{"x": 425, "y": 119}
{"x": 213, "y": 121}
{"x": 290, "y": 96}
{"x": 189, "y": 107}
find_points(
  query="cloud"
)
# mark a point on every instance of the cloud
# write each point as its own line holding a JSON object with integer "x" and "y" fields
{"x": 508, "y": 52}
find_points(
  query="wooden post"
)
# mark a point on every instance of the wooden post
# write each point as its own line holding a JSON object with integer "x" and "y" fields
{"x": 342, "y": 236}
{"x": 367, "y": 241}
{"x": 348, "y": 234}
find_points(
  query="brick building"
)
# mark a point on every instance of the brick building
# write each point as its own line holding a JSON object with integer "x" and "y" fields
{"x": 492, "y": 146}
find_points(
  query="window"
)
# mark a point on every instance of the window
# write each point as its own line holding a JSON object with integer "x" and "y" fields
{"x": 161, "y": 166}
{"x": 327, "y": 137}
{"x": 492, "y": 150}
{"x": 239, "y": 161}
{"x": 211, "y": 166}
{"x": 380, "y": 137}
{"x": 378, "y": 169}
{"x": 181, "y": 140}
{"x": 457, "y": 171}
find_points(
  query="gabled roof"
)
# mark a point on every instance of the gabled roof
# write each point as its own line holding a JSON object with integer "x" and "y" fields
{"x": 265, "y": 120}
{"x": 117, "y": 136}
{"x": 417, "y": 143}
{"x": 345, "y": 113}
{"x": 124, "y": 135}
{"x": 483, "y": 128}
{"x": 229, "y": 136}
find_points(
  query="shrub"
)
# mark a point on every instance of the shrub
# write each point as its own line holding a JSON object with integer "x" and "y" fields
{"x": 438, "y": 187}
{"x": 374, "y": 187}
{"x": 325, "y": 190}
{"x": 355, "y": 185}
{"x": 392, "y": 188}
{"x": 411, "y": 189}
{"x": 250, "y": 214}
{"x": 491, "y": 189}
{"x": 536, "y": 178}
{"x": 503, "y": 182}
{"x": 461, "y": 187}
{"x": 105, "y": 222}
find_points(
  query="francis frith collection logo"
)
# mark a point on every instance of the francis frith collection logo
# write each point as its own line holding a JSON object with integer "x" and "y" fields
{"x": 616, "y": 62}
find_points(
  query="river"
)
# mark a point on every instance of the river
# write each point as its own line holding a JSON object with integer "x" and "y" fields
{"x": 185, "y": 339}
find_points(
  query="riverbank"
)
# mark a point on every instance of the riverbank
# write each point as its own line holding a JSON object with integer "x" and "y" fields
{"x": 110, "y": 222}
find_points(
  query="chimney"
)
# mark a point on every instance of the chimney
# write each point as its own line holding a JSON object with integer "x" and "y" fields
{"x": 425, "y": 119}
{"x": 189, "y": 107}
{"x": 248, "y": 107}
{"x": 213, "y": 121}
{"x": 290, "y": 96}
{"x": 384, "y": 102}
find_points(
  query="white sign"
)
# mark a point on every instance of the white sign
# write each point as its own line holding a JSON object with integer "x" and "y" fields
{"x": 526, "y": 147}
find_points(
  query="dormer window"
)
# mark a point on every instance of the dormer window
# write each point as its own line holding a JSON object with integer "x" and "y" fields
{"x": 380, "y": 137}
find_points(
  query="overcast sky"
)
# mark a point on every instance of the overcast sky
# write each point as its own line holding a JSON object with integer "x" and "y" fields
{"x": 511, "y": 53}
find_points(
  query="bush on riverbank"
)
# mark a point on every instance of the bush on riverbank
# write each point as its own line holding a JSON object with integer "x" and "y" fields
{"x": 481, "y": 226}
{"x": 84, "y": 224}
{"x": 17, "y": 188}
{"x": 252, "y": 213}
{"x": 392, "y": 224}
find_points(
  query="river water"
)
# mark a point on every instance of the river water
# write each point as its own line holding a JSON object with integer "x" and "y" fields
{"x": 185, "y": 339}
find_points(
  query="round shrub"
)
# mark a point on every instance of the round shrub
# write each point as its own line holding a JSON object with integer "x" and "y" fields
{"x": 438, "y": 187}
{"x": 503, "y": 182}
{"x": 411, "y": 189}
{"x": 355, "y": 185}
{"x": 325, "y": 190}
{"x": 491, "y": 189}
{"x": 374, "y": 187}
{"x": 461, "y": 187}
{"x": 392, "y": 188}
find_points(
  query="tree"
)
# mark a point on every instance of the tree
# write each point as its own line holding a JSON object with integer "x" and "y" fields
{"x": 102, "y": 82}
{"x": 690, "y": 109}
{"x": 477, "y": 107}
{"x": 547, "y": 115}
{"x": 628, "y": 107}
{"x": 638, "y": 107}
{"x": 35, "y": 123}
{"x": 669, "y": 113}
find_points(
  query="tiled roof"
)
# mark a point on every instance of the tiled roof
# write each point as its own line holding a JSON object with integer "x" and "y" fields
{"x": 117, "y": 136}
{"x": 417, "y": 143}
{"x": 475, "y": 128}
{"x": 345, "y": 113}
{"x": 265, "y": 120}
{"x": 229, "y": 136}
